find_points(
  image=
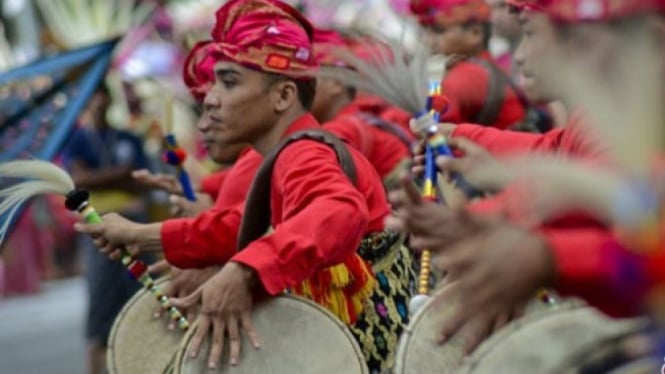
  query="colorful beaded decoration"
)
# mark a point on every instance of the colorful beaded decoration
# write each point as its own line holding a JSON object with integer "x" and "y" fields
{"x": 175, "y": 156}
{"x": 436, "y": 144}
{"x": 78, "y": 200}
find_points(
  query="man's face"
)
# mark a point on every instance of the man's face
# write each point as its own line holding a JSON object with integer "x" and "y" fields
{"x": 97, "y": 108}
{"x": 450, "y": 40}
{"x": 505, "y": 22}
{"x": 238, "y": 108}
{"x": 538, "y": 40}
{"x": 327, "y": 92}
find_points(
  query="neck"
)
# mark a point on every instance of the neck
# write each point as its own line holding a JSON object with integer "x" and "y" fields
{"x": 269, "y": 140}
{"x": 335, "y": 107}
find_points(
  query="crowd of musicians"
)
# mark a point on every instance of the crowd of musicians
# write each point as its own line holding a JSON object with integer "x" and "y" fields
{"x": 559, "y": 140}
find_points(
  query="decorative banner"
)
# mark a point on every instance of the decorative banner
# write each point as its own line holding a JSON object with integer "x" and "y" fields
{"x": 40, "y": 102}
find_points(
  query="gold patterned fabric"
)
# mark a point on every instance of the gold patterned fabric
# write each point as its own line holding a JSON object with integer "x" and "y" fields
{"x": 378, "y": 329}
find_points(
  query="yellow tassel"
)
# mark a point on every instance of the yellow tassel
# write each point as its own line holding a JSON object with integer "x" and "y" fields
{"x": 333, "y": 297}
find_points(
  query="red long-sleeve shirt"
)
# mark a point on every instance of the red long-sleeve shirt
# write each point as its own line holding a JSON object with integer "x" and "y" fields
{"x": 466, "y": 86}
{"x": 583, "y": 251}
{"x": 384, "y": 151}
{"x": 319, "y": 216}
{"x": 211, "y": 237}
{"x": 213, "y": 183}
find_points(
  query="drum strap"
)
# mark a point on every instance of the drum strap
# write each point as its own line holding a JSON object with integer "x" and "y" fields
{"x": 257, "y": 214}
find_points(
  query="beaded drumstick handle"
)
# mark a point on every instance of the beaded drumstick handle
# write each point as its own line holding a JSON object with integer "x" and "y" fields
{"x": 435, "y": 142}
{"x": 78, "y": 200}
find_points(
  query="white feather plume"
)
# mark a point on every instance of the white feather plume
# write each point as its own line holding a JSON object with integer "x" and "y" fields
{"x": 392, "y": 72}
{"x": 43, "y": 178}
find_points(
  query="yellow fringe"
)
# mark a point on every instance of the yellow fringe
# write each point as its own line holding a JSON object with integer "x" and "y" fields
{"x": 333, "y": 296}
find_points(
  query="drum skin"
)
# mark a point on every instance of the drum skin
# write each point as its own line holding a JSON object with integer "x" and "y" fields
{"x": 544, "y": 342}
{"x": 296, "y": 336}
{"x": 419, "y": 352}
{"x": 138, "y": 343}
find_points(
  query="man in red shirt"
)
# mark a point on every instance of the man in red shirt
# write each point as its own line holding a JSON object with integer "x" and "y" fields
{"x": 386, "y": 145}
{"x": 323, "y": 221}
{"x": 575, "y": 255}
{"x": 478, "y": 91}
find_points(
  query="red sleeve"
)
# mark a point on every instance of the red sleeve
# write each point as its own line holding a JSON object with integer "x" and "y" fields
{"x": 213, "y": 183}
{"x": 506, "y": 142}
{"x": 589, "y": 264}
{"x": 211, "y": 237}
{"x": 207, "y": 240}
{"x": 352, "y": 131}
{"x": 319, "y": 216}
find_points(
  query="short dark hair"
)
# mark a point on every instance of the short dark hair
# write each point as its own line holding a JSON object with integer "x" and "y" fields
{"x": 306, "y": 88}
{"x": 486, "y": 29}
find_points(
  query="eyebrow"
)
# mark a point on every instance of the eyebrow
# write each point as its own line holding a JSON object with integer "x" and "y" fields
{"x": 226, "y": 72}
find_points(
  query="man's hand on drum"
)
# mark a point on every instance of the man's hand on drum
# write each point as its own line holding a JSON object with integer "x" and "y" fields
{"x": 183, "y": 283}
{"x": 226, "y": 305}
{"x": 432, "y": 226}
{"x": 503, "y": 267}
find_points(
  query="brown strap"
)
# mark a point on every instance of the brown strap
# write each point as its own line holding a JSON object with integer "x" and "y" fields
{"x": 257, "y": 214}
{"x": 386, "y": 126}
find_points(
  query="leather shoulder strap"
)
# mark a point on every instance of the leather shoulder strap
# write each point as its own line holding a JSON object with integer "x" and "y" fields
{"x": 257, "y": 214}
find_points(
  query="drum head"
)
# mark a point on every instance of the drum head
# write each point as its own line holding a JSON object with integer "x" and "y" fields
{"x": 419, "y": 352}
{"x": 139, "y": 343}
{"x": 296, "y": 335}
{"x": 542, "y": 342}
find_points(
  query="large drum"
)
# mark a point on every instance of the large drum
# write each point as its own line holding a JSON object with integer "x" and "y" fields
{"x": 296, "y": 335}
{"x": 544, "y": 343}
{"x": 139, "y": 343}
{"x": 419, "y": 352}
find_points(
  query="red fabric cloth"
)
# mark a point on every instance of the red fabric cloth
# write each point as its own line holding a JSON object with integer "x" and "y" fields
{"x": 466, "y": 85}
{"x": 213, "y": 183}
{"x": 531, "y": 5}
{"x": 579, "y": 245}
{"x": 574, "y": 139}
{"x": 384, "y": 151}
{"x": 575, "y": 11}
{"x": 326, "y": 44}
{"x": 312, "y": 203}
{"x": 382, "y": 109}
{"x": 198, "y": 70}
{"x": 268, "y": 35}
{"x": 447, "y": 12}
{"x": 211, "y": 237}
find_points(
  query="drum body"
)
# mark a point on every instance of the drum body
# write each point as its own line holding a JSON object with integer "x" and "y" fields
{"x": 296, "y": 336}
{"x": 419, "y": 352}
{"x": 544, "y": 342}
{"x": 138, "y": 343}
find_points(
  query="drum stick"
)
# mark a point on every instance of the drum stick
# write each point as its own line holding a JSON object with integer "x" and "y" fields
{"x": 175, "y": 155}
{"x": 46, "y": 177}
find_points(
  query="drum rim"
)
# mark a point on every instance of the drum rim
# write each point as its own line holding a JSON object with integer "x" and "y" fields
{"x": 487, "y": 347}
{"x": 184, "y": 343}
{"x": 111, "y": 366}
{"x": 407, "y": 332}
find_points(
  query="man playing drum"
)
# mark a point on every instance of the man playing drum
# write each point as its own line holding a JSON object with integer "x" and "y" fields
{"x": 576, "y": 260}
{"x": 322, "y": 220}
